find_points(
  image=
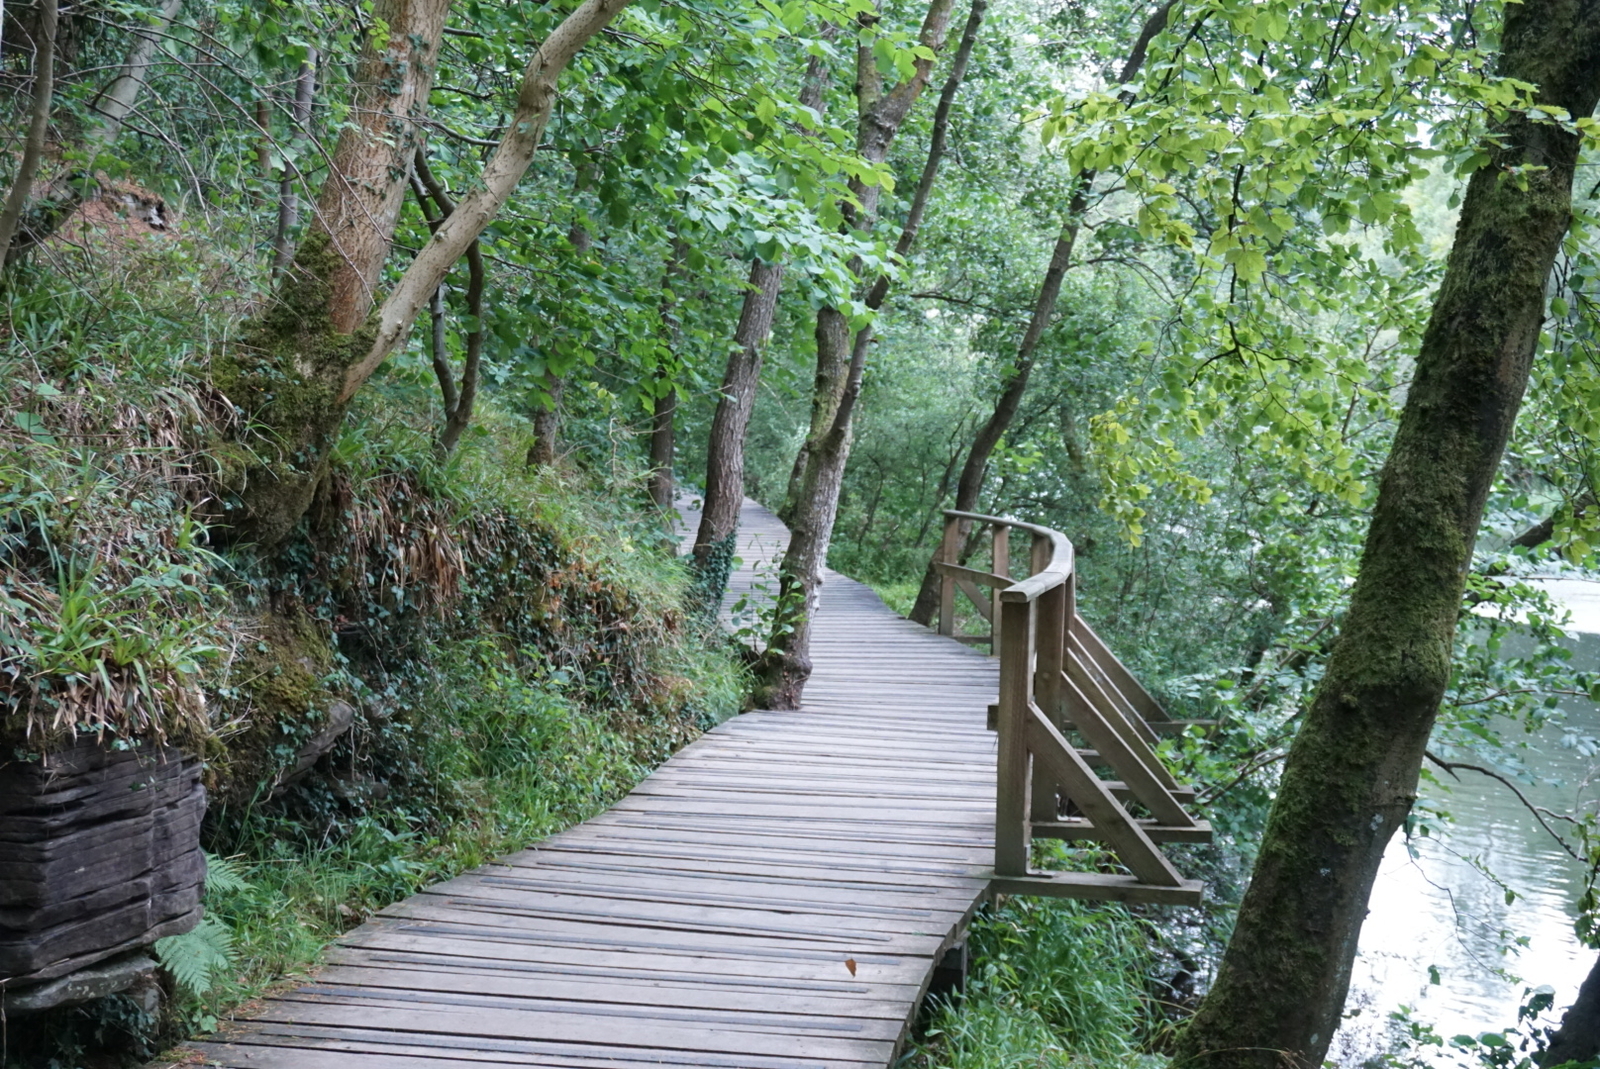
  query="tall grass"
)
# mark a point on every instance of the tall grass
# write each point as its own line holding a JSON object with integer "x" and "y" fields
{"x": 1054, "y": 985}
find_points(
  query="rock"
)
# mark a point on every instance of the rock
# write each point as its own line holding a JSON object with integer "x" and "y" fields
{"x": 134, "y": 971}
{"x": 99, "y": 854}
{"x": 337, "y": 721}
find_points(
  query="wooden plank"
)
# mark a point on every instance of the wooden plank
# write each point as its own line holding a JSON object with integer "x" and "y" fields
{"x": 1077, "y": 828}
{"x": 1100, "y": 656}
{"x": 973, "y": 576}
{"x": 1100, "y": 886}
{"x": 1136, "y": 763}
{"x": 1132, "y": 846}
{"x": 1011, "y": 763}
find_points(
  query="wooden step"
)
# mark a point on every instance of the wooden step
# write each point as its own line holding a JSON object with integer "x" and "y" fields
{"x": 1185, "y": 795}
{"x": 1079, "y": 828}
{"x": 1099, "y": 886}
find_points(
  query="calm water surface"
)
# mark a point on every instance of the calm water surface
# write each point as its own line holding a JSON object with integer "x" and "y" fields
{"x": 1439, "y": 909}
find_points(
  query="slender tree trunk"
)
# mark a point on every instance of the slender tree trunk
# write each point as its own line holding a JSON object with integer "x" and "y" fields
{"x": 662, "y": 448}
{"x": 322, "y": 340}
{"x": 458, "y": 400}
{"x": 719, "y": 517}
{"x": 44, "y": 88}
{"x": 305, "y": 87}
{"x": 786, "y": 662}
{"x": 1352, "y": 771}
{"x": 109, "y": 111}
{"x": 1578, "y": 1038}
{"x": 969, "y": 488}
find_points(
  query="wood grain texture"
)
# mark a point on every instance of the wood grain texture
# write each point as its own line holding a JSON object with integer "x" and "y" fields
{"x": 775, "y": 895}
{"x": 707, "y": 918}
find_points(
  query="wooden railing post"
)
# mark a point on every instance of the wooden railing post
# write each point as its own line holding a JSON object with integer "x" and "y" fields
{"x": 948, "y": 553}
{"x": 1000, "y": 560}
{"x": 1011, "y": 836}
{"x": 1048, "y": 661}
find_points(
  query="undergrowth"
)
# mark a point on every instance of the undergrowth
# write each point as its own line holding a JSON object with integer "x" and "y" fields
{"x": 448, "y": 660}
{"x": 1054, "y": 985}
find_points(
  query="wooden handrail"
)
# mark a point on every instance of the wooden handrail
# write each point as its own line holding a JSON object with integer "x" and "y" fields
{"x": 1056, "y": 676}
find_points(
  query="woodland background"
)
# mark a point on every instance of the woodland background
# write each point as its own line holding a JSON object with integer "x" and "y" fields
{"x": 1153, "y": 275}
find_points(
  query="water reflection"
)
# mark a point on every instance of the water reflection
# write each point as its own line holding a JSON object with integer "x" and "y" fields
{"x": 1441, "y": 909}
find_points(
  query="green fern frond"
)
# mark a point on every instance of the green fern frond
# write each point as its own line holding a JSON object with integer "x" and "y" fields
{"x": 196, "y": 958}
{"x": 223, "y": 874}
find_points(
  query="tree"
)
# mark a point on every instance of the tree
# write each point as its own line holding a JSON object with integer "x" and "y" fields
{"x": 1009, "y": 401}
{"x": 814, "y": 499}
{"x": 1351, "y": 775}
{"x": 322, "y": 340}
{"x": 44, "y": 73}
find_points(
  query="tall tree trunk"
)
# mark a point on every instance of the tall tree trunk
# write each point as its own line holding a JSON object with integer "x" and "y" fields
{"x": 1351, "y": 776}
{"x": 969, "y": 487}
{"x": 719, "y": 516}
{"x": 976, "y": 467}
{"x": 44, "y": 88}
{"x": 810, "y": 513}
{"x": 305, "y": 87}
{"x": 664, "y": 412}
{"x": 321, "y": 340}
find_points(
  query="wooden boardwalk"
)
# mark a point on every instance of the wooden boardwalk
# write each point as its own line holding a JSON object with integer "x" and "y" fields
{"x": 776, "y": 896}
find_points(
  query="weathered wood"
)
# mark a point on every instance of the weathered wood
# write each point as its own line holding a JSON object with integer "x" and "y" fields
{"x": 1089, "y": 793}
{"x": 99, "y": 854}
{"x": 1100, "y": 886}
{"x": 1138, "y": 766}
{"x": 776, "y": 896}
{"x": 1077, "y": 828}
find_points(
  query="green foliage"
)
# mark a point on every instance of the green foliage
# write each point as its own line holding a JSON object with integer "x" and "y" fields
{"x": 196, "y": 959}
{"x": 1054, "y": 983}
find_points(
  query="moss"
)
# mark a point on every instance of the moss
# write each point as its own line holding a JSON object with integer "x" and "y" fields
{"x": 279, "y": 695}
{"x": 285, "y": 376}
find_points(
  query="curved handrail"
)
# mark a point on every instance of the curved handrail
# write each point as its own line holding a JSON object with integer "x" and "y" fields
{"x": 1052, "y": 575}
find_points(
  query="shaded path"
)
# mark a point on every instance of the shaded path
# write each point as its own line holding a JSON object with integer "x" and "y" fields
{"x": 712, "y": 917}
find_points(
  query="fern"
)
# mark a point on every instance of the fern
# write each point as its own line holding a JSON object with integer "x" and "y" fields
{"x": 223, "y": 874}
{"x": 196, "y": 958}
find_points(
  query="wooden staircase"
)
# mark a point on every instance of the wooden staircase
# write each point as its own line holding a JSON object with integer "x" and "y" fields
{"x": 1059, "y": 680}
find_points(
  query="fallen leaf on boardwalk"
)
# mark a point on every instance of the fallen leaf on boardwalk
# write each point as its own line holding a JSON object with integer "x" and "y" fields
{"x": 850, "y": 963}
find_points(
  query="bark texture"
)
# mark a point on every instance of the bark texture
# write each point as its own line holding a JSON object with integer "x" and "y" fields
{"x": 44, "y": 88}
{"x": 813, "y": 502}
{"x": 305, "y": 88}
{"x": 320, "y": 341}
{"x": 1578, "y": 1038}
{"x": 719, "y": 519}
{"x": 1351, "y": 776}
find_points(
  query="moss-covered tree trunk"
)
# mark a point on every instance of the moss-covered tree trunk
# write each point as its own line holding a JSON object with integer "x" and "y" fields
{"x": 321, "y": 340}
{"x": 288, "y": 374}
{"x": 1352, "y": 771}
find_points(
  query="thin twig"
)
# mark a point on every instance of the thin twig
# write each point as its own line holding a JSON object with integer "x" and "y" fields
{"x": 1537, "y": 811}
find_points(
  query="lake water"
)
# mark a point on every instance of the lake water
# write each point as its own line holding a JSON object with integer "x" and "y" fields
{"x": 1439, "y": 909}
